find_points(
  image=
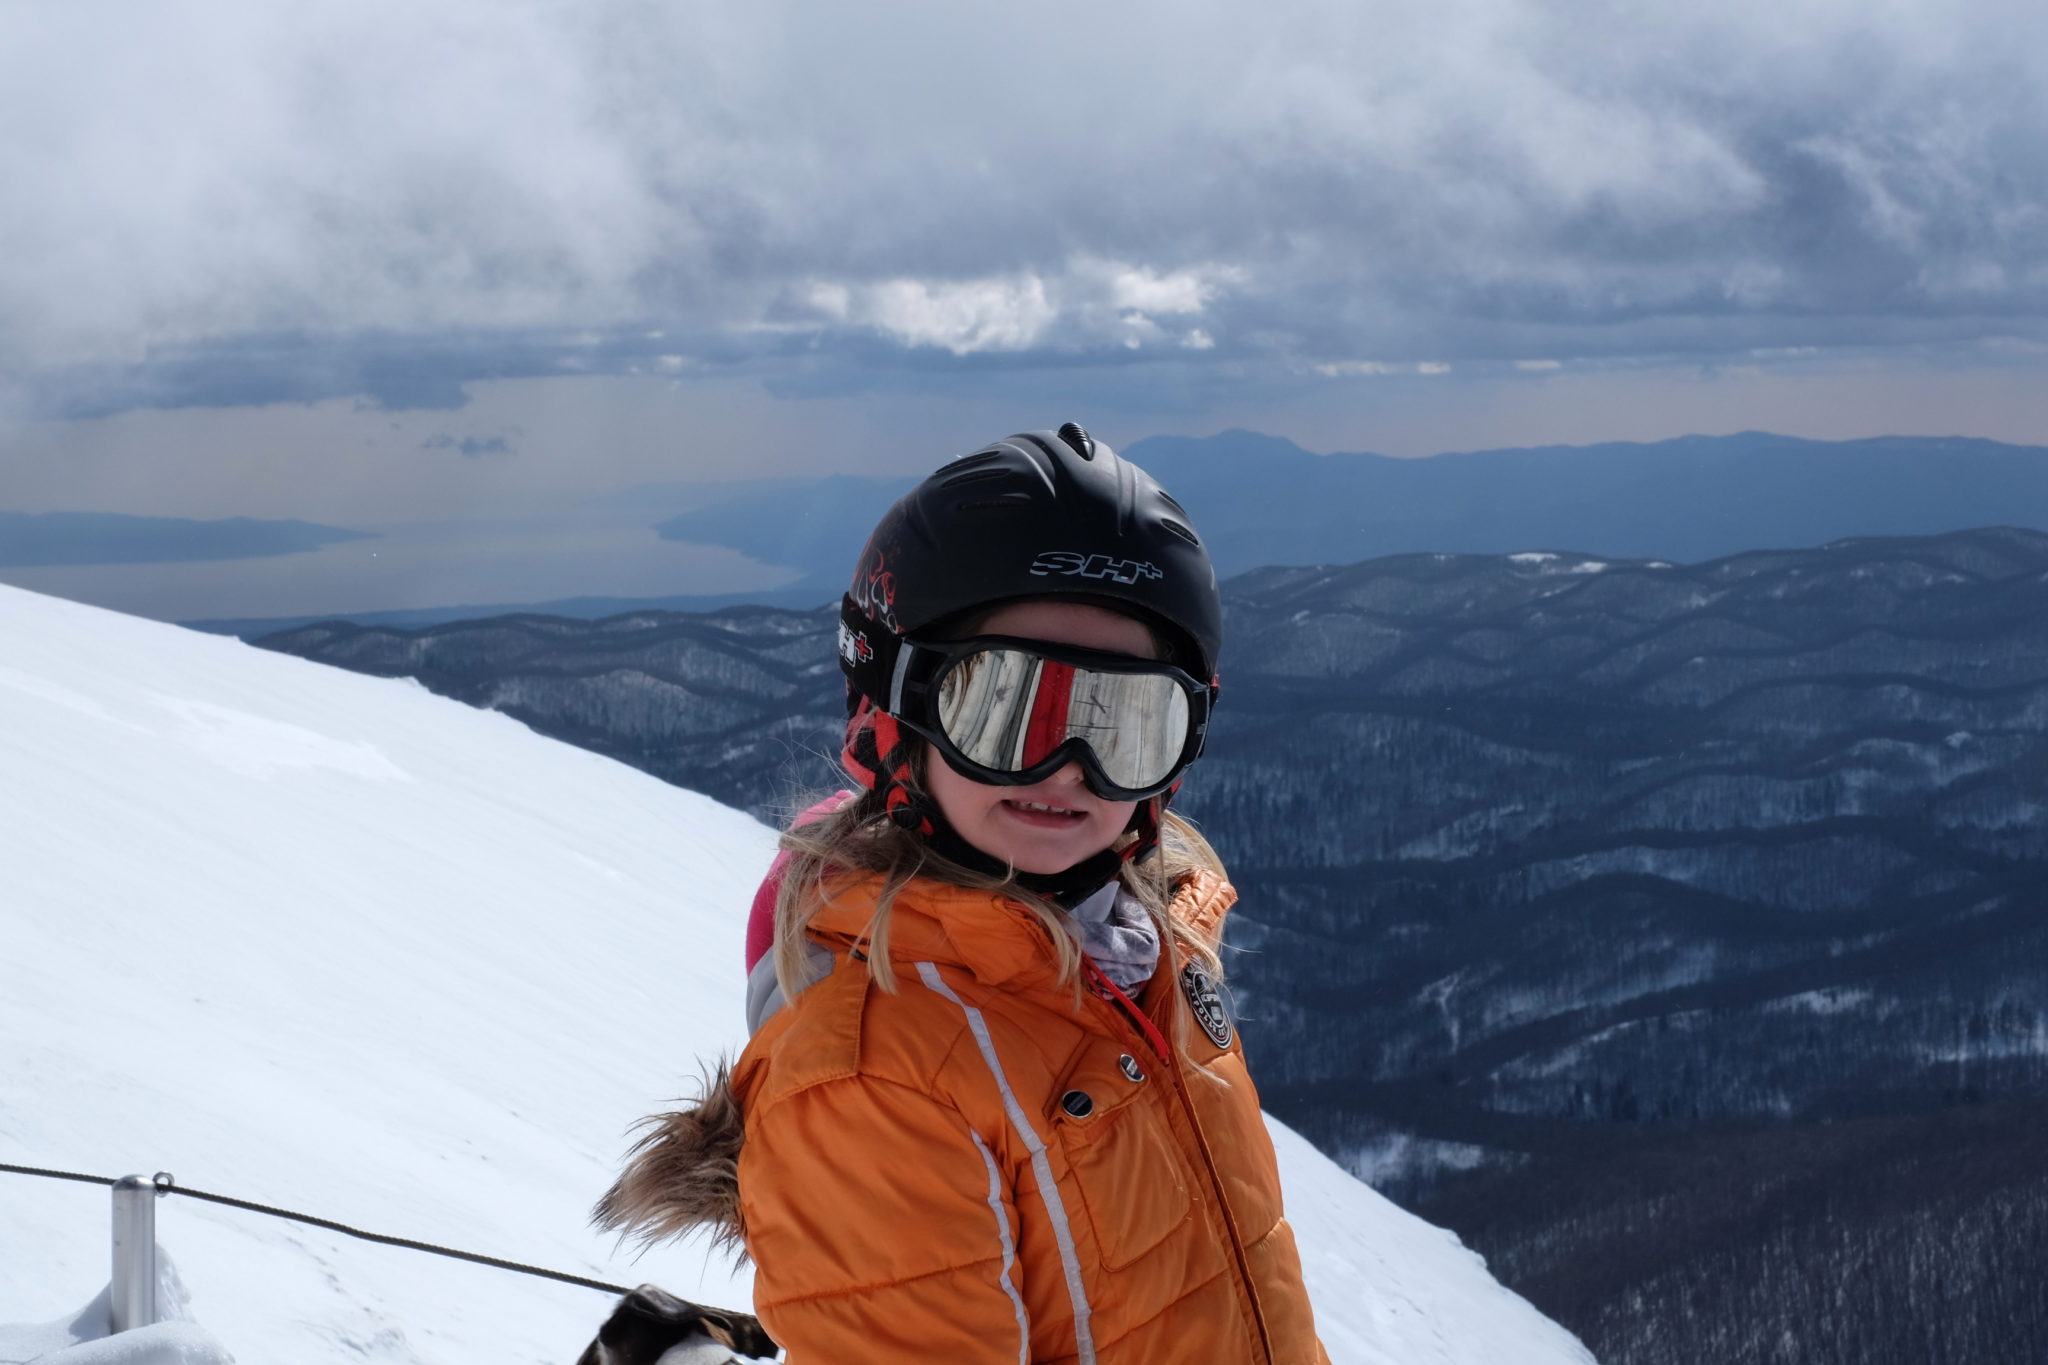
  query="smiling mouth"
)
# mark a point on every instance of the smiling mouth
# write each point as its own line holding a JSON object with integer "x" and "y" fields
{"x": 1043, "y": 812}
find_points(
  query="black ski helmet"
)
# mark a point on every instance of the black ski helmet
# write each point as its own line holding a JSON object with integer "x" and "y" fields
{"x": 1038, "y": 515}
{"x": 1042, "y": 515}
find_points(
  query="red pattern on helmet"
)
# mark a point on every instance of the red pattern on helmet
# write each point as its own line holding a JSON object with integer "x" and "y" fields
{"x": 878, "y": 755}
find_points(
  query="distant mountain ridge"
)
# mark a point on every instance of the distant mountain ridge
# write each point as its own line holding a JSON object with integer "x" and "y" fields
{"x": 1689, "y": 499}
{"x": 1261, "y": 500}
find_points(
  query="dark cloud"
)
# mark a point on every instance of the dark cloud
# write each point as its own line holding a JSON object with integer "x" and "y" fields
{"x": 396, "y": 373}
{"x": 389, "y": 371}
{"x": 471, "y": 446}
{"x": 1161, "y": 189}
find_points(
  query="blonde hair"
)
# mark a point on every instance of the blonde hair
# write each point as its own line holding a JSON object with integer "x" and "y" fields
{"x": 860, "y": 838}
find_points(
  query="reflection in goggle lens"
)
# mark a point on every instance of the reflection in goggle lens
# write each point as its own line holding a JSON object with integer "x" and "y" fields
{"x": 1007, "y": 709}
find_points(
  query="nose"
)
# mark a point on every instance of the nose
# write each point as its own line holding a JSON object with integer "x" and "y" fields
{"x": 1066, "y": 782}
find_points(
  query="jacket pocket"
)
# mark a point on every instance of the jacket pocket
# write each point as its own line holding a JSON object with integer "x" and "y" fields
{"x": 1130, "y": 1175}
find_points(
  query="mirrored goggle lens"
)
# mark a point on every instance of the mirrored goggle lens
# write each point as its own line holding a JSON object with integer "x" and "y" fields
{"x": 1008, "y": 709}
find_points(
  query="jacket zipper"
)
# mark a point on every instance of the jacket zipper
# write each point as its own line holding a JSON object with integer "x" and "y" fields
{"x": 1110, "y": 993}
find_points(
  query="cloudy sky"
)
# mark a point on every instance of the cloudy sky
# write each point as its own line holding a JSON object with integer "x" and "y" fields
{"x": 443, "y": 271}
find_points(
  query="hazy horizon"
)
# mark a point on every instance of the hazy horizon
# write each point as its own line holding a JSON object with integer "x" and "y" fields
{"x": 363, "y": 264}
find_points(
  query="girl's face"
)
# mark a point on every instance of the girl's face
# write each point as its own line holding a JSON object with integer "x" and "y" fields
{"x": 1048, "y": 826}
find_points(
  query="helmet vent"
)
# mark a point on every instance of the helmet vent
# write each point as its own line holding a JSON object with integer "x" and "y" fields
{"x": 1081, "y": 441}
{"x": 1171, "y": 501}
{"x": 990, "y": 504}
{"x": 974, "y": 476}
{"x": 1184, "y": 532}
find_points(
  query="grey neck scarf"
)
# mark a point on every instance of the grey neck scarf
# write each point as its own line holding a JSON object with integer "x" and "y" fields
{"x": 1117, "y": 933}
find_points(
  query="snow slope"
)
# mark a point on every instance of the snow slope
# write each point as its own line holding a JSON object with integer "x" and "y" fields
{"x": 326, "y": 941}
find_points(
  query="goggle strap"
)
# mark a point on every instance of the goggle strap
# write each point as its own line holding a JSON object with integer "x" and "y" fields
{"x": 878, "y": 755}
{"x": 858, "y": 755}
{"x": 873, "y": 657}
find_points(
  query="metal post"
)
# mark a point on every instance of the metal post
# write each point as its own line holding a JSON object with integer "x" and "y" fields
{"x": 134, "y": 1287}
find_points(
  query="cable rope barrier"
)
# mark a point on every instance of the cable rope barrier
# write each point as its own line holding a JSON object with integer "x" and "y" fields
{"x": 166, "y": 1184}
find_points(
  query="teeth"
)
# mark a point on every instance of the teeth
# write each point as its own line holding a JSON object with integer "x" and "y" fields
{"x": 1040, "y": 805}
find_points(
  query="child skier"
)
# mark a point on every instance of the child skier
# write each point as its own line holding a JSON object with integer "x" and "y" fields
{"x": 995, "y": 1108}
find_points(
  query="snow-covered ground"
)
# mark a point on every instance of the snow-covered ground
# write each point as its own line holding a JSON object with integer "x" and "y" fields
{"x": 330, "y": 942}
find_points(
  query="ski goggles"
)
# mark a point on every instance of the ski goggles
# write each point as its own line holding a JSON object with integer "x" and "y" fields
{"x": 1010, "y": 712}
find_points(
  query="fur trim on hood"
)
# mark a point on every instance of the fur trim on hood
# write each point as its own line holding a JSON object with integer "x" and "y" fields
{"x": 682, "y": 1175}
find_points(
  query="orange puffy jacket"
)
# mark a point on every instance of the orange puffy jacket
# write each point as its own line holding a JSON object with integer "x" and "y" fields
{"x": 973, "y": 1169}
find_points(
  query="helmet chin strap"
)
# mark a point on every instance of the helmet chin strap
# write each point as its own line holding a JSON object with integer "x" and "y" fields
{"x": 1068, "y": 888}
